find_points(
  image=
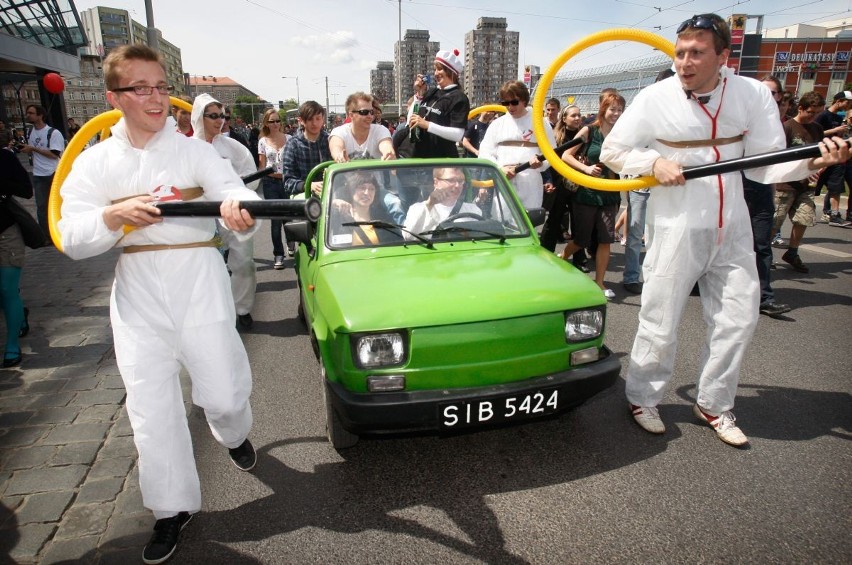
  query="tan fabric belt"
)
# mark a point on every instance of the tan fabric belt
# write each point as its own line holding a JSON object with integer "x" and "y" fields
{"x": 186, "y": 194}
{"x": 160, "y": 247}
{"x": 518, "y": 143}
{"x": 702, "y": 142}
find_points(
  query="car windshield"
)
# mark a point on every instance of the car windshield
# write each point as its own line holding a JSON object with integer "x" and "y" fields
{"x": 372, "y": 207}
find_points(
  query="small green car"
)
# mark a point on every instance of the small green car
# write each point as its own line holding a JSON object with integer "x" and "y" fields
{"x": 432, "y": 306}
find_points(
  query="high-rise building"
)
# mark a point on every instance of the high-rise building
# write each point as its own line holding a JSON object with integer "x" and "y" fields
{"x": 85, "y": 95}
{"x": 382, "y": 82}
{"x": 107, "y": 28}
{"x": 490, "y": 59}
{"x": 414, "y": 54}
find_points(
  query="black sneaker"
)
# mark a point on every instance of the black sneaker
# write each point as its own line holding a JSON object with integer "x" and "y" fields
{"x": 633, "y": 287}
{"x": 245, "y": 321}
{"x": 835, "y": 220}
{"x": 773, "y": 309}
{"x": 164, "y": 541}
{"x": 796, "y": 262}
{"x": 244, "y": 456}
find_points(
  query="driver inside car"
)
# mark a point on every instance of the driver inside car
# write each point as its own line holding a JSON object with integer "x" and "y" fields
{"x": 444, "y": 202}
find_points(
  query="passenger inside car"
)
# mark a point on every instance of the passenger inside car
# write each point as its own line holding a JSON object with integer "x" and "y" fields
{"x": 355, "y": 202}
{"x": 444, "y": 202}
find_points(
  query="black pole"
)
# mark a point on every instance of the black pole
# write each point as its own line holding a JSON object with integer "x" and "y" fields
{"x": 274, "y": 209}
{"x": 256, "y": 175}
{"x": 753, "y": 161}
{"x": 559, "y": 149}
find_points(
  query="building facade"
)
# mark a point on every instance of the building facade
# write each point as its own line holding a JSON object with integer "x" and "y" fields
{"x": 223, "y": 89}
{"x": 107, "y": 28}
{"x": 85, "y": 96}
{"x": 414, "y": 54}
{"x": 383, "y": 82}
{"x": 490, "y": 59}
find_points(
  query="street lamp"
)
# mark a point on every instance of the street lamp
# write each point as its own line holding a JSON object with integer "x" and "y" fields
{"x": 298, "y": 101}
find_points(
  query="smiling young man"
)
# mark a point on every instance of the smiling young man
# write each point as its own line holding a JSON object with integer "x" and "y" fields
{"x": 699, "y": 230}
{"x": 171, "y": 304}
{"x": 360, "y": 138}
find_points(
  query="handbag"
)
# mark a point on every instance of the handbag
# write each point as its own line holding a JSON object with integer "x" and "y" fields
{"x": 30, "y": 230}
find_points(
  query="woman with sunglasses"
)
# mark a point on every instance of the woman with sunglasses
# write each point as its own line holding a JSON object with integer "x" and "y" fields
{"x": 270, "y": 153}
{"x": 510, "y": 141}
{"x": 442, "y": 112}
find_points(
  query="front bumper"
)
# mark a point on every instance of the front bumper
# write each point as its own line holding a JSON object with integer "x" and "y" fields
{"x": 384, "y": 413}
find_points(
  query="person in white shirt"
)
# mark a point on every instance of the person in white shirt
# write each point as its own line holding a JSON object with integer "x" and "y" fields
{"x": 360, "y": 138}
{"x": 443, "y": 202}
{"x": 44, "y": 145}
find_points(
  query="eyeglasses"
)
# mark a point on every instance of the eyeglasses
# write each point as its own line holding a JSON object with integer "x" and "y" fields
{"x": 364, "y": 112}
{"x": 274, "y": 122}
{"x": 701, "y": 22}
{"x": 452, "y": 180}
{"x": 514, "y": 102}
{"x": 145, "y": 90}
{"x": 215, "y": 116}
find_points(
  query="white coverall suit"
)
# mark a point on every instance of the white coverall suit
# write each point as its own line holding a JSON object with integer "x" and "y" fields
{"x": 241, "y": 250}
{"x": 700, "y": 231}
{"x": 168, "y": 307}
{"x": 528, "y": 183}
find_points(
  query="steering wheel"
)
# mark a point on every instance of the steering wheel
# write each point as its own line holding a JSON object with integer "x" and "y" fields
{"x": 454, "y": 217}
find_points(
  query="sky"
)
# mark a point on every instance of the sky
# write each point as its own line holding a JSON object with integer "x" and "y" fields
{"x": 259, "y": 42}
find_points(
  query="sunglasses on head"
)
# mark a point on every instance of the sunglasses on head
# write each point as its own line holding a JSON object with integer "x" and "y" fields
{"x": 514, "y": 102}
{"x": 273, "y": 121}
{"x": 701, "y": 22}
{"x": 363, "y": 112}
{"x": 214, "y": 116}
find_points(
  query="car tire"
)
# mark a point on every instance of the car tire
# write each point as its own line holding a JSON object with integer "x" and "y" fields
{"x": 300, "y": 310}
{"x": 338, "y": 436}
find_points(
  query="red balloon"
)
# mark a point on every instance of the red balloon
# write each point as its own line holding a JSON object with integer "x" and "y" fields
{"x": 53, "y": 83}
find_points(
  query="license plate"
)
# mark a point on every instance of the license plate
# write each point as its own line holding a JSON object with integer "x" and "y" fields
{"x": 454, "y": 415}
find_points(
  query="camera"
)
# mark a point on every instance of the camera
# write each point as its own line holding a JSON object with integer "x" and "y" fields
{"x": 428, "y": 79}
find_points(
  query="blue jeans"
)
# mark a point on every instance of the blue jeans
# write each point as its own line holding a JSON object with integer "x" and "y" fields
{"x": 41, "y": 191}
{"x": 274, "y": 189}
{"x": 761, "y": 208}
{"x": 637, "y": 203}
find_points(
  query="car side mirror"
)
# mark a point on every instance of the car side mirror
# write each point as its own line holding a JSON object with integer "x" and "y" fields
{"x": 537, "y": 216}
{"x": 301, "y": 231}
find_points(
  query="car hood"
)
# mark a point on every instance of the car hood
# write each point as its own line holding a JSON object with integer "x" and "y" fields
{"x": 449, "y": 287}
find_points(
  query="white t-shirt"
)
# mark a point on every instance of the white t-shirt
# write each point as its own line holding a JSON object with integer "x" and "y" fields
{"x": 45, "y": 166}
{"x": 367, "y": 150}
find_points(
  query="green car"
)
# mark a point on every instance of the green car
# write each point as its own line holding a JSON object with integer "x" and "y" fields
{"x": 432, "y": 306}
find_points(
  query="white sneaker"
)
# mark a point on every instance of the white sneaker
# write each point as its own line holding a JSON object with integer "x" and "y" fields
{"x": 648, "y": 418}
{"x": 724, "y": 425}
{"x": 609, "y": 294}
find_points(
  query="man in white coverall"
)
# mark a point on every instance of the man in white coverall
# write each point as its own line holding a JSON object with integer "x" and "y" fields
{"x": 699, "y": 230}
{"x": 171, "y": 303}
{"x": 207, "y": 118}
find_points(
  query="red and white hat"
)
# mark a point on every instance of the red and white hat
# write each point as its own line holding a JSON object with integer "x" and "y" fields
{"x": 451, "y": 60}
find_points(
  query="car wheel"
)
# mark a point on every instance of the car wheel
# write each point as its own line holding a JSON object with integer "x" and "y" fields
{"x": 338, "y": 436}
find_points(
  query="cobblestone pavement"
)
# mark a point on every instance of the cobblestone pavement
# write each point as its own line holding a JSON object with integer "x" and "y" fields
{"x": 68, "y": 480}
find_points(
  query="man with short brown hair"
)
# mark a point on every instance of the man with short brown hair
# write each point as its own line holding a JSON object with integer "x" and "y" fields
{"x": 171, "y": 303}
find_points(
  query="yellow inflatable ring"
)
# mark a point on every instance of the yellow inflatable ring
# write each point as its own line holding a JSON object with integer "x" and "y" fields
{"x": 556, "y": 162}
{"x": 487, "y": 108}
{"x": 100, "y": 123}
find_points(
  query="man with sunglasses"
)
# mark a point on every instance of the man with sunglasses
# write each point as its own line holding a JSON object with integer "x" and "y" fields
{"x": 171, "y": 304}
{"x": 360, "y": 138}
{"x": 699, "y": 230}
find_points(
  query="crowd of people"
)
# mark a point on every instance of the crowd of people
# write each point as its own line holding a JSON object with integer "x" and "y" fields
{"x": 174, "y": 305}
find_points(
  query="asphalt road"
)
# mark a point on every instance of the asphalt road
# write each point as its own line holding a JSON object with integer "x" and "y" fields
{"x": 588, "y": 486}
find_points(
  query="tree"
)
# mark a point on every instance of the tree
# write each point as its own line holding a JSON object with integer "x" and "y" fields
{"x": 249, "y": 108}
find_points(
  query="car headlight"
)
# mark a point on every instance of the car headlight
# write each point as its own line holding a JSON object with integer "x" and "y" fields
{"x": 379, "y": 350}
{"x": 582, "y": 325}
